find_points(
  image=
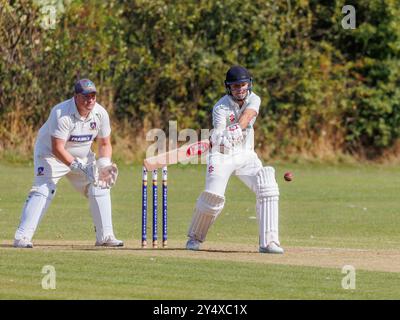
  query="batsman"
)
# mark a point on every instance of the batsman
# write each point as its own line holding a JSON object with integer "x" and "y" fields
{"x": 232, "y": 152}
{"x": 63, "y": 148}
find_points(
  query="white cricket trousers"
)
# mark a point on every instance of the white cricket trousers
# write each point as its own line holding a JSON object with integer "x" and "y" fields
{"x": 245, "y": 165}
{"x": 48, "y": 171}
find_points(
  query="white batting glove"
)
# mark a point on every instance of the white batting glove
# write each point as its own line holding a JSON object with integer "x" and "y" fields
{"x": 89, "y": 169}
{"x": 216, "y": 137}
{"x": 226, "y": 143}
{"x": 234, "y": 134}
{"x": 108, "y": 173}
{"x": 220, "y": 141}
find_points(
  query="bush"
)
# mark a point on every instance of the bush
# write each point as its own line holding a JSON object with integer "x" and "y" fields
{"x": 325, "y": 90}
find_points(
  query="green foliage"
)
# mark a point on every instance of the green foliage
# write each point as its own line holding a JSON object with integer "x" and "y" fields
{"x": 325, "y": 90}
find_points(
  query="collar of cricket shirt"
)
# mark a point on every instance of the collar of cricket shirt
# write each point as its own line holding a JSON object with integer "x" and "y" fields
{"x": 236, "y": 106}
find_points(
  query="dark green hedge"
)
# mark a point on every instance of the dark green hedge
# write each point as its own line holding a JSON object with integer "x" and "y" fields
{"x": 325, "y": 90}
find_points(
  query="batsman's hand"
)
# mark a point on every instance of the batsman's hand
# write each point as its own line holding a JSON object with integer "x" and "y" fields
{"x": 234, "y": 135}
{"x": 89, "y": 169}
{"x": 108, "y": 173}
{"x": 226, "y": 144}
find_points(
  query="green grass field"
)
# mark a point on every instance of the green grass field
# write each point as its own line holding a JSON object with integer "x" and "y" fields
{"x": 330, "y": 216}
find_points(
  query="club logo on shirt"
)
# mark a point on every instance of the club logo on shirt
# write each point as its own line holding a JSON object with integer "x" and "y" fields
{"x": 81, "y": 138}
{"x": 210, "y": 169}
{"x": 40, "y": 171}
{"x": 232, "y": 118}
{"x": 93, "y": 126}
{"x": 233, "y": 127}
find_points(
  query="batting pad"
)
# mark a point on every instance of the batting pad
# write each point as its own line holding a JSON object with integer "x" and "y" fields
{"x": 267, "y": 206}
{"x": 266, "y": 183}
{"x": 35, "y": 207}
{"x": 100, "y": 206}
{"x": 267, "y": 214}
{"x": 208, "y": 207}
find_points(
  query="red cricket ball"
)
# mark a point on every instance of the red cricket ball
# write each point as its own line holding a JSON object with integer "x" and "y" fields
{"x": 288, "y": 176}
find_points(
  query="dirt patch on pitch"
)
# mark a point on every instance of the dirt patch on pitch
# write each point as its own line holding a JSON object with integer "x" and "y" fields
{"x": 360, "y": 259}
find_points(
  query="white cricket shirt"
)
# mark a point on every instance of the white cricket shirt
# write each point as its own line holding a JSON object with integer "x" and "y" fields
{"x": 227, "y": 111}
{"x": 67, "y": 124}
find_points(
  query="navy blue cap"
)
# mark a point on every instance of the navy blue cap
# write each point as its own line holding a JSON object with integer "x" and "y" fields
{"x": 237, "y": 74}
{"x": 85, "y": 86}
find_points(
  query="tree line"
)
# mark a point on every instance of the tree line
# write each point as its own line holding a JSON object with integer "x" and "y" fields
{"x": 326, "y": 91}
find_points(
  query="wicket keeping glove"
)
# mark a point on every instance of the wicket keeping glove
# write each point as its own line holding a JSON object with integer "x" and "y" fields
{"x": 89, "y": 169}
{"x": 108, "y": 173}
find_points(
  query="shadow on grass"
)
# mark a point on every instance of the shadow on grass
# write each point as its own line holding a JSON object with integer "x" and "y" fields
{"x": 86, "y": 247}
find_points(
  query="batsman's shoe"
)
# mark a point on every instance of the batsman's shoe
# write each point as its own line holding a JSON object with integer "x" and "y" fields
{"x": 110, "y": 241}
{"x": 193, "y": 244}
{"x": 22, "y": 243}
{"x": 271, "y": 248}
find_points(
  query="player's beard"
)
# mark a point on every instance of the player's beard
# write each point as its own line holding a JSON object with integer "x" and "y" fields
{"x": 240, "y": 95}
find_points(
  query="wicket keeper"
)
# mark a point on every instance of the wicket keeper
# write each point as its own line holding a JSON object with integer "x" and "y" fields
{"x": 63, "y": 148}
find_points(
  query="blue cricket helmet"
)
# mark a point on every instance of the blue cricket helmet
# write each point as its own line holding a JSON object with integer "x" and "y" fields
{"x": 237, "y": 74}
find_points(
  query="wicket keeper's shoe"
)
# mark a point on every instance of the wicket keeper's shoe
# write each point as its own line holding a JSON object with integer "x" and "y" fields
{"x": 271, "y": 248}
{"x": 193, "y": 244}
{"x": 110, "y": 241}
{"x": 22, "y": 243}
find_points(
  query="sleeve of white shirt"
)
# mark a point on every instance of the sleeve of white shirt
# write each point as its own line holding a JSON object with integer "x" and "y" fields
{"x": 254, "y": 103}
{"x": 105, "y": 128}
{"x": 219, "y": 117}
{"x": 59, "y": 125}
{"x": 219, "y": 124}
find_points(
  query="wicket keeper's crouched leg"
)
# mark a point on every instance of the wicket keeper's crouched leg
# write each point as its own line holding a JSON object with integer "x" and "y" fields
{"x": 100, "y": 207}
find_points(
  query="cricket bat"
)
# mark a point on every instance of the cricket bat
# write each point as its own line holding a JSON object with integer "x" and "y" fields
{"x": 179, "y": 155}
